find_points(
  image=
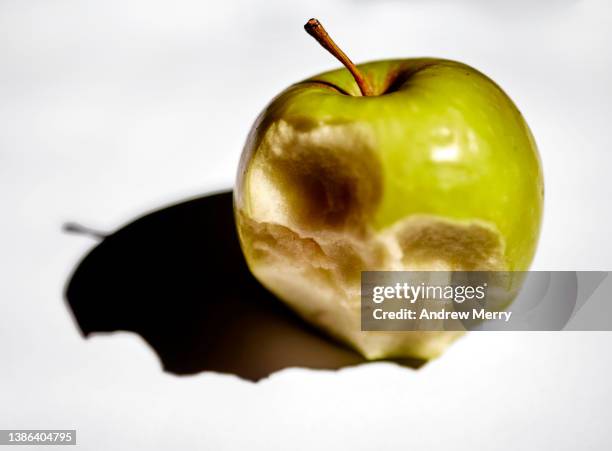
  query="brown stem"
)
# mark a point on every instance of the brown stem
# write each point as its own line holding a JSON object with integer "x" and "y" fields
{"x": 314, "y": 28}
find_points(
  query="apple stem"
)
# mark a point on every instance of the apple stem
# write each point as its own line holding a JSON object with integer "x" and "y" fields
{"x": 315, "y": 29}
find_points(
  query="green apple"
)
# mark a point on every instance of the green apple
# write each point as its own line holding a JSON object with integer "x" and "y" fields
{"x": 412, "y": 164}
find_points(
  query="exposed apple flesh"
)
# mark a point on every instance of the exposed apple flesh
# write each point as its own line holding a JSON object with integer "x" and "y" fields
{"x": 434, "y": 169}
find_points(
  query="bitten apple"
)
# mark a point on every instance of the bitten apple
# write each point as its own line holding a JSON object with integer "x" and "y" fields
{"x": 412, "y": 164}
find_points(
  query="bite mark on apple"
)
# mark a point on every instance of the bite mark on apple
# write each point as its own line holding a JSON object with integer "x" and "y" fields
{"x": 434, "y": 242}
{"x": 329, "y": 176}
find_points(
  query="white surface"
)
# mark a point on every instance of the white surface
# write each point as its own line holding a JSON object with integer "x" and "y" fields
{"x": 108, "y": 109}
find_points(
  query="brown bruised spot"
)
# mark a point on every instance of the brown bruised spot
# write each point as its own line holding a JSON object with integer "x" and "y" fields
{"x": 329, "y": 175}
{"x": 459, "y": 246}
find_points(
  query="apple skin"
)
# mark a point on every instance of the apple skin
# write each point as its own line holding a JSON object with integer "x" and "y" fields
{"x": 439, "y": 170}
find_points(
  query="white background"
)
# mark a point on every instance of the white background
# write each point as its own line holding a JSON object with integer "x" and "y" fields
{"x": 111, "y": 108}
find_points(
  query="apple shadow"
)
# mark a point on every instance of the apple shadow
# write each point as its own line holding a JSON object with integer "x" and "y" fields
{"x": 177, "y": 278}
